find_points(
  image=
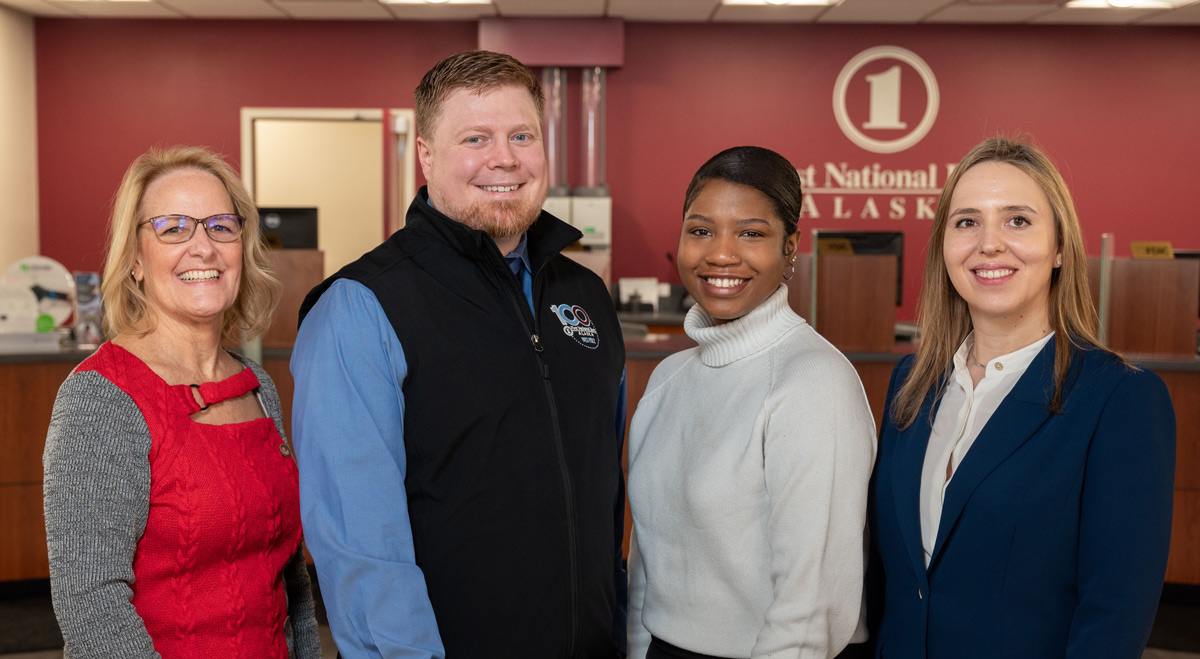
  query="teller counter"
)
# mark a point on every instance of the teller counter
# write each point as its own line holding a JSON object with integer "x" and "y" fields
{"x": 1182, "y": 377}
{"x": 29, "y": 383}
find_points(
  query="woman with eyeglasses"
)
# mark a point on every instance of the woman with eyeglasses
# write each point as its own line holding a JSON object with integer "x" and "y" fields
{"x": 171, "y": 498}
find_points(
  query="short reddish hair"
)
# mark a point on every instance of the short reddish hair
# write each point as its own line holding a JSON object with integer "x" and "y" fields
{"x": 476, "y": 70}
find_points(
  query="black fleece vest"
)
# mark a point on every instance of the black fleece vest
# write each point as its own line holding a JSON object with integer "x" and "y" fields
{"x": 514, "y": 480}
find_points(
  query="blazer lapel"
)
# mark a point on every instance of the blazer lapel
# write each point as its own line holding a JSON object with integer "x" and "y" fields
{"x": 1017, "y": 419}
{"x": 906, "y": 479}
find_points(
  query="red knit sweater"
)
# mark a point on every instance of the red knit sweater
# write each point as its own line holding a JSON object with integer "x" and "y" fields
{"x": 224, "y": 519}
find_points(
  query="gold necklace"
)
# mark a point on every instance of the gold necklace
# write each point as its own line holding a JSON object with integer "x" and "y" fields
{"x": 972, "y": 354}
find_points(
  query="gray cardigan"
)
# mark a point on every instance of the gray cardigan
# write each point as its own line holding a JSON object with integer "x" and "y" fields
{"x": 97, "y": 499}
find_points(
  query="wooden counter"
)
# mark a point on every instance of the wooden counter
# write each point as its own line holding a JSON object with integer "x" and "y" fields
{"x": 29, "y": 384}
{"x": 1152, "y": 305}
{"x": 1182, "y": 377}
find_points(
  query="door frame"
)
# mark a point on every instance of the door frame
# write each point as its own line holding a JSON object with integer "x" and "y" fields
{"x": 399, "y": 185}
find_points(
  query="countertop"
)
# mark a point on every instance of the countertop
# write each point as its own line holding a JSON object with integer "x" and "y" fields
{"x": 647, "y": 346}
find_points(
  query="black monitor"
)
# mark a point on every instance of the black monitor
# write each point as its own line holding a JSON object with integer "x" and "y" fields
{"x": 875, "y": 242}
{"x": 289, "y": 228}
{"x": 1189, "y": 254}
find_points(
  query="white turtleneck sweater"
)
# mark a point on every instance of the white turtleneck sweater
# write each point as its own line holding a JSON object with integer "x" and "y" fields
{"x": 749, "y": 458}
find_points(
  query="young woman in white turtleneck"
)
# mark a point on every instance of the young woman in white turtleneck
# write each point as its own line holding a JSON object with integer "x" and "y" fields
{"x": 749, "y": 455}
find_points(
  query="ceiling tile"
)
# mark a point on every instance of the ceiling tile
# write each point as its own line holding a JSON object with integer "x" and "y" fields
{"x": 680, "y": 11}
{"x": 334, "y": 9}
{"x": 960, "y": 13}
{"x": 683, "y": 11}
{"x": 769, "y": 14}
{"x": 225, "y": 8}
{"x": 35, "y": 8}
{"x": 446, "y": 12}
{"x": 882, "y": 11}
{"x": 993, "y": 3}
{"x": 1094, "y": 16}
{"x": 118, "y": 9}
{"x": 1189, "y": 15}
{"x": 573, "y": 8}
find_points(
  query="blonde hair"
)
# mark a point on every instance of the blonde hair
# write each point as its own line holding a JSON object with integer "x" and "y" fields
{"x": 942, "y": 312}
{"x": 124, "y": 301}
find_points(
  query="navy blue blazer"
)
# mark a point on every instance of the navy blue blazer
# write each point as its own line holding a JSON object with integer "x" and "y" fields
{"x": 1055, "y": 528}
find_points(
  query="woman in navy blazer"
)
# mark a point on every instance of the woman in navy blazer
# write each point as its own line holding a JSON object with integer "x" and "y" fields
{"x": 1025, "y": 514}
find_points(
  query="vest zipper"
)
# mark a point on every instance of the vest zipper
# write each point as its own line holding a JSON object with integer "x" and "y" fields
{"x": 568, "y": 491}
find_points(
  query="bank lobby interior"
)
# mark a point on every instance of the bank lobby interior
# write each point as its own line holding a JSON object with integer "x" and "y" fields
{"x": 649, "y": 90}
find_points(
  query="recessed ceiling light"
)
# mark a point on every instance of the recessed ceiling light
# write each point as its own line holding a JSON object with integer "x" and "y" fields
{"x": 438, "y": 2}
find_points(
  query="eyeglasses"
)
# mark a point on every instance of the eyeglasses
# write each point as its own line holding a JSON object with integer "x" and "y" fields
{"x": 174, "y": 229}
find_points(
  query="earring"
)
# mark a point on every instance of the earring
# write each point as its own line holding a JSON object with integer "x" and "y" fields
{"x": 787, "y": 276}
{"x": 1058, "y": 261}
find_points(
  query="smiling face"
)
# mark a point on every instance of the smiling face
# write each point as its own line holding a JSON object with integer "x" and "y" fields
{"x": 485, "y": 162}
{"x": 190, "y": 283}
{"x": 732, "y": 249}
{"x": 1000, "y": 247}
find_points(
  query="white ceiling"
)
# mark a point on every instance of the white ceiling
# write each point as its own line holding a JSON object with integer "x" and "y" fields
{"x": 1187, "y": 12}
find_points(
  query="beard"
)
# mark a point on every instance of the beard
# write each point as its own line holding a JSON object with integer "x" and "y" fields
{"x": 501, "y": 219}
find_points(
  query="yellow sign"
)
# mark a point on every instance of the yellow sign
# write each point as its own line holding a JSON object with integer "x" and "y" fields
{"x": 834, "y": 246}
{"x": 1152, "y": 250}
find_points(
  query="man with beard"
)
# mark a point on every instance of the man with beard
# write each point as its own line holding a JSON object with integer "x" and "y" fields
{"x": 459, "y": 405}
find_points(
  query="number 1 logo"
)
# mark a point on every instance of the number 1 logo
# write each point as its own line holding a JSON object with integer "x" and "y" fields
{"x": 885, "y": 99}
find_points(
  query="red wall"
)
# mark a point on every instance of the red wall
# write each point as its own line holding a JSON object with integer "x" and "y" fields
{"x": 1118, "y": 108}
{"x": 109, "y": 90}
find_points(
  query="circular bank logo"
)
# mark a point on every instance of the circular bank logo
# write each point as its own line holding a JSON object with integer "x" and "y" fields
{"x": 885, "y": 99}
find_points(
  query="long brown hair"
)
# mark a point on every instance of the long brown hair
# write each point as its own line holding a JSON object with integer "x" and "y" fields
{"x": 942, "y": 312}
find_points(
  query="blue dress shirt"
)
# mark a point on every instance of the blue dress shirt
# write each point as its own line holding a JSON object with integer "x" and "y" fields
{"x": 348, "y": 425}
{"x": 518, "y": 262}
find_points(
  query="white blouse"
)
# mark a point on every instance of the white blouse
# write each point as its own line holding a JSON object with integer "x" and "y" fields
{"x": 964, "y": 411}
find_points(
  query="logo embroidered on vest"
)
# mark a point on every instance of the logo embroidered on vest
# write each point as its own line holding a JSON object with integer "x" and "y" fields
{"x": 577, "y": 324}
